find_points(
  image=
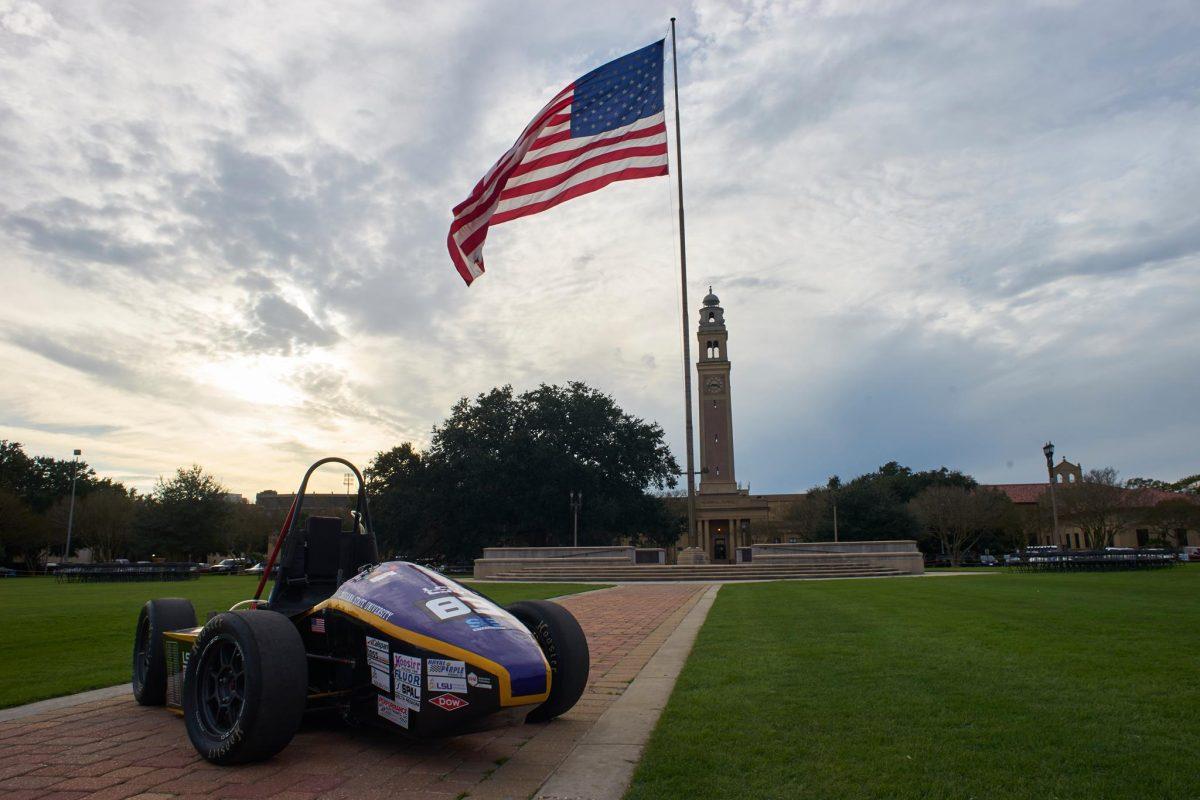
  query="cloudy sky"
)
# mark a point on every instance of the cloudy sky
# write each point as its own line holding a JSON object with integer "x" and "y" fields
{"x": 942, "y": 232}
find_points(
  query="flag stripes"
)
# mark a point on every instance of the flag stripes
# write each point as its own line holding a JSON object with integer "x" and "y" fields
{"x": 608, "y": 126}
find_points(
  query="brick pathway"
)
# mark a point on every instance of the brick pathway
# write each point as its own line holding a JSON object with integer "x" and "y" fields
{"x": 116, "y": 749}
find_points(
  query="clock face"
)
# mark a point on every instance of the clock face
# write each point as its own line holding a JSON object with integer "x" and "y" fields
{"x": 714, "y": 384}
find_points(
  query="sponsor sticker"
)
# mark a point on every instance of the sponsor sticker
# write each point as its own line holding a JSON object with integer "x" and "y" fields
{"x": 392, "y": 712}
{"x": 408, "y": 669}
{"x": 379, "y": 654}
{"x": 479, "y": 681}
{"x": 438, "y": 590}
{"x": 381, "y": 679}
{"x": 446, "y": 668}
{"x": 448, "y": 702}
{"x": 437, "y": 684}
{"x": 484, "y": 623}
{"x": 363, "y": 603}
{"x": 408, "y": 695}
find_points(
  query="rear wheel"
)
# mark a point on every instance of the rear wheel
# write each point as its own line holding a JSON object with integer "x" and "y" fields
{"x": 149, "y": 664}
{"x": 245, "y": 687}
{"x": 566, "y": 649}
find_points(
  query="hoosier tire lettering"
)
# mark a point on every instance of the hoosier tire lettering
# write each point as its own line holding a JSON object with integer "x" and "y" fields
{"x": 566, "y": 650}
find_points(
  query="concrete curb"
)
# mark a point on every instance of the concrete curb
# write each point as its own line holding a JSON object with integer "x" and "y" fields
{"x": 55, "y": 703}
{"x": 601, "y": 766}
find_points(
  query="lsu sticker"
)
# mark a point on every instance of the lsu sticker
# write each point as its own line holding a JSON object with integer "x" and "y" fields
{"x": 446, "y": 668}
{"x": 392, "y": 712}
{"x": 378, "y": 654}
{"x": 381, "y": 679}
{"x": 448, "y": 702}
{"x": 479, "y": 681}
{"x": 437, "y": 684}
{"x": 409, "y": 696}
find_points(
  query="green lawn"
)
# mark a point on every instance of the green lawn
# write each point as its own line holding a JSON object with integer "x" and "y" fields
{"x": 61, "y": 638}
{"x": 1006, "y": 685}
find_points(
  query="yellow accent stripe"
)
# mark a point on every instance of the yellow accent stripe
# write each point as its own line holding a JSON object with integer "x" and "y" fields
{"x": 189, "y": 636}
{"x": 442, "y": 648}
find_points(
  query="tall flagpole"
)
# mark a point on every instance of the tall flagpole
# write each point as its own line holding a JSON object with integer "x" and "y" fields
{"x": 687, "y": 345}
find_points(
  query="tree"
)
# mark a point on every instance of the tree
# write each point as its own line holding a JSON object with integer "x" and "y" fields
{"x": 1098, "y": 505}
{"x": 23, "y": 534}
{"x": 104, "y": 521}
{"x": 875, "y": 505}
{"x": 959, "y": 518}
{"x": 184, "y": 516}
{"x": 1172, "y": 515}
{"x": 249, "y": 529}
{"x": 397, "y": 482}
{"x": 501, "y": 467}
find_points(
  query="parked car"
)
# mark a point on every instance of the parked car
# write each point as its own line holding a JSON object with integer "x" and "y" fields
{"x": 5, "y": 572}
{"x": 988, "y": 560}
{"x": 229, "y": 566}
{"x": 259, "y": 569}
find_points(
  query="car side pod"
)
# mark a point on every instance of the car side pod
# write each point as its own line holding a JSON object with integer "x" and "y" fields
{"x": 245, "y": 686}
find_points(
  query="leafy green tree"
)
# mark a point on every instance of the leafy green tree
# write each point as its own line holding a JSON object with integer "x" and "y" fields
{"x": 104, "y": 521}
{"x": 960, "y": 519}
{"x": 501, "y": 467}
{"x": 398, "y": 484}
{"x": 185, "y": 516}
{"x": 1098, "y": 505}
{"x": 875, "y": 505}
{"x": 24, "y": 535}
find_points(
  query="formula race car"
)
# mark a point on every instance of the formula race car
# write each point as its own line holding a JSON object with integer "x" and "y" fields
{"x": 394, "y": 644}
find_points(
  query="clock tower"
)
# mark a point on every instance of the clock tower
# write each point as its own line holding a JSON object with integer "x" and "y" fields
{"x": 716, "y": 416}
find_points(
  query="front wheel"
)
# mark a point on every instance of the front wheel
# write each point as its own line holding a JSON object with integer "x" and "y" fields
{"x": 566, "y": 649}
{"x": 149, "y": 662}
{"x": 245, "y": 687}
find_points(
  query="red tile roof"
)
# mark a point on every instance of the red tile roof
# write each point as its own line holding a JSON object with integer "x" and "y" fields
{"x": 1030, "y": 493}
{"x": 1020, "y": 492}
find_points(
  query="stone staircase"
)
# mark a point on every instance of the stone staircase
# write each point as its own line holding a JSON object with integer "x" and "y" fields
{"x": 577, "y": 571}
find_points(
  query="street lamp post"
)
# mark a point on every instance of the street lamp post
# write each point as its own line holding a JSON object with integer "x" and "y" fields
{"x": 71, "y": 512}
{"x": 1048, "y": 450}
{"x": 576, "y": 504}
{"x": 833, "y": 485}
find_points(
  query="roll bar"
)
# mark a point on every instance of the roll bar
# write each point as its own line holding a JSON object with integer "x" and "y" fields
{"x": 362, "y": 514}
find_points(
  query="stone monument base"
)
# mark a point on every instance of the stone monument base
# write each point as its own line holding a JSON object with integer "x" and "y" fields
{"x": 692, "y": 555}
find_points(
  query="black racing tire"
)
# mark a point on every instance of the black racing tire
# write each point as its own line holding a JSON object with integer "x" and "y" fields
{"x": 149, "y": 662}
{"x": 565, "y": 647}
{"x": 245, "y": 687}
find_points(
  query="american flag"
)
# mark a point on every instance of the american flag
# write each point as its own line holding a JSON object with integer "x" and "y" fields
{"x": 607, "y": 126}
{"x": 318, "y": 624}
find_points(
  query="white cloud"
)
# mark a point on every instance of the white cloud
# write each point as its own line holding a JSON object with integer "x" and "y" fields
{"x": 942, "y": 233}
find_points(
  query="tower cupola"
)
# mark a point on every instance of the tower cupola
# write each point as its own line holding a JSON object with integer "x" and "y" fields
{"x": 712, "y": 316}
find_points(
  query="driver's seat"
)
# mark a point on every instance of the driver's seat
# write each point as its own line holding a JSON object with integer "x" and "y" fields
{"x": 308, "y": 571}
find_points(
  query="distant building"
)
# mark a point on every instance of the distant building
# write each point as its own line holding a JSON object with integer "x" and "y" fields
{"x": 729, "y": 517}
{"x": 315, "y": 503}
{"x": 1031, "y": 501}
